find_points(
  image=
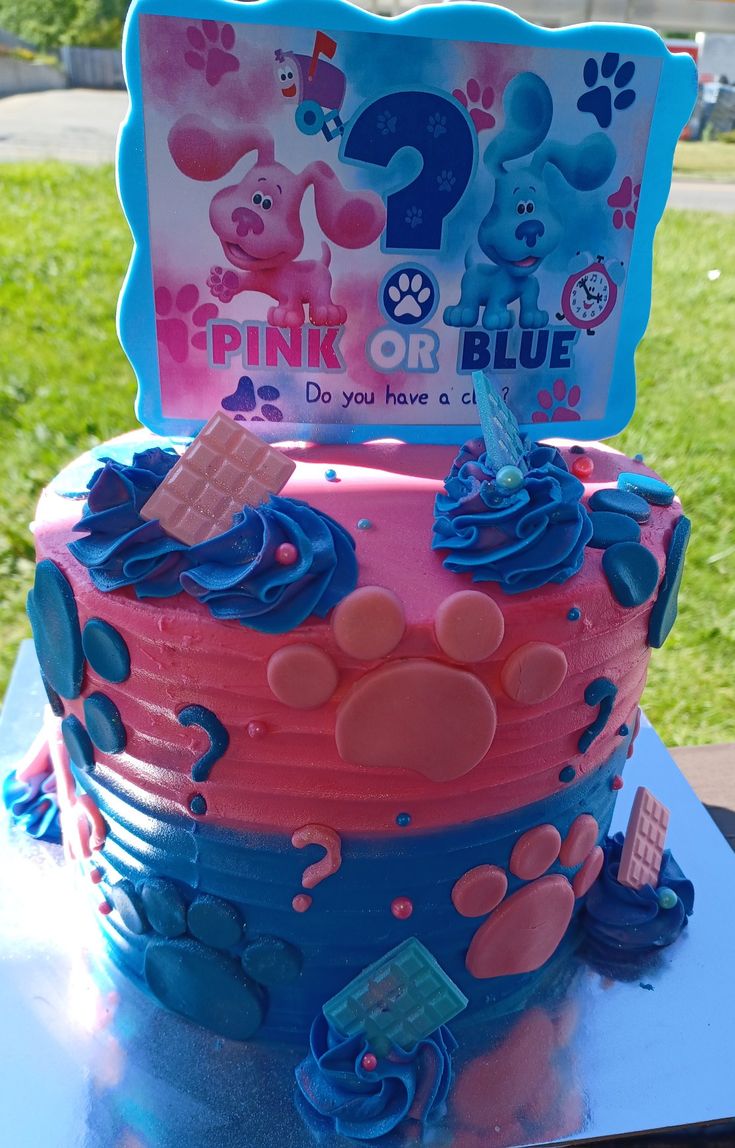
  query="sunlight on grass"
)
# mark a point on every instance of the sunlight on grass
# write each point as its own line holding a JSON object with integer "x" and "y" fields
{"x": 65, "y": 384}
{"x": 707, "y": 159}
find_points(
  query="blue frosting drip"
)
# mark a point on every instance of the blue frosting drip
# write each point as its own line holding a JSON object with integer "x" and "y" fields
{"x": 366, "y": 1105}
{"x": 34, "y": 805}
{"x": 237, "y": 573}
{"x": 522, "y": 540}
{"x": 632, "y": 920}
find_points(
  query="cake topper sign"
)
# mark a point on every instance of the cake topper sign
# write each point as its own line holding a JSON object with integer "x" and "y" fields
{"x": 340, "y": 218}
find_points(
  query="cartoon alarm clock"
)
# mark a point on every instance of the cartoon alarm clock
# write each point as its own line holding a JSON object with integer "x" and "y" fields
{"x": 589, "y": 295}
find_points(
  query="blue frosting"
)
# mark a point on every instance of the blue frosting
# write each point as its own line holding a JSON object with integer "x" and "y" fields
{"x": 521, "y": 539}
{"x": 34, "y": 805}
{"x": 411, "y": 1083}
{"x": 633, "y": 920}
{"x": 237, "y": 573}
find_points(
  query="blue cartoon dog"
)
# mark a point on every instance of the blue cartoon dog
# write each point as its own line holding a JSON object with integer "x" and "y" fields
{"x": 522, "y": 226}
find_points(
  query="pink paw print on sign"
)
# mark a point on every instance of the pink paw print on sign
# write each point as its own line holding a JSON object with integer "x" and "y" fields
{"x": 210, "y": 50}
{"x": 524, "y": 930}
{"x": 557, "y": 405}
{"x": 478, "y": 100}
{"x": 172, "y": 320}
{"x": 625, "y": 203}
{"x": 223, "y": 284}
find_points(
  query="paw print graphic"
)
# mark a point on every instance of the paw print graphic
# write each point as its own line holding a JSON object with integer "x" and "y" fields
{"x": 601, "y": 81}
{"x": 223, "y": 284}
{"x": 210, "y": 50}
{"x": 172, "y": 320}
{"x": 557, "y": 405}
{"x": 625, "y": 204}
{"x": 478, "y": 100}
{"x": 409, "y": 296}
{"x": 437, "y": 125}
{"x": 446, "y": 180}
{"x": 414, "y": 217}
{"x": 245, "y": 398}
{"x": 387, "y": 123}
{"x": 538, "y": 910}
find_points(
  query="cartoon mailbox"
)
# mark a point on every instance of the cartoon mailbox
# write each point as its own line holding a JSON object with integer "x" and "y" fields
{"x": 318, "y": 86}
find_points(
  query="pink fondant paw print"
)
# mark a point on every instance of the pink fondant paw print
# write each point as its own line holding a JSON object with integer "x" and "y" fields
{"x": 625, "y": 204}
{"x": 210, "y": 50}
{"x": 557, "y": 405}
{"x": 478, "y": 100}
{"x": 524, "y": 929}
{"x": 172, "y": 320}
{"x": 223, "y": 284}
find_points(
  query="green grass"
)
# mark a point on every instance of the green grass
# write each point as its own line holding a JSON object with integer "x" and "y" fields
{"x": 708, "y": 159}
{"x": 65, "y": 384}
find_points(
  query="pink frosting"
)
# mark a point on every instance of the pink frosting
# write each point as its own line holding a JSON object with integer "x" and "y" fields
{"x": 312, "y": 762}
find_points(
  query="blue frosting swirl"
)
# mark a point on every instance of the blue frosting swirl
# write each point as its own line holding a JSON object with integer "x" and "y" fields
{"x": 408, "y": 1083}
{"x": 632, "y": 920}
{"x": 236, "y": 573}
{"x": 34, "y": 805}
{"x": 521, "y": 539}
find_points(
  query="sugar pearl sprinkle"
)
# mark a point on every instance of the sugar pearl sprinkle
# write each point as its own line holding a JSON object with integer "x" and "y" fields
{"x": 286, "y": 554}
{"x": 583, "y": 466}
{"x": 369, "y": 1062}
{"x": 330, "y": 474}
{"x": 509, "y": 479}
{"x": 257, "y": 729}
{"x": 617, "y": 782}
{"x": 363, "y": 524}
{"x": 401, "y": 908}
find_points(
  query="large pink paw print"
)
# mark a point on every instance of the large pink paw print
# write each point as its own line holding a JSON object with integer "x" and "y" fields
{"x": 557, "y": 405}
{"x": 524, "y": 929}
{"x": 210, "y": 50}
{"x": 414, "y": 713}
{"x": 478, "y": 101}
{"x": 625, "y": 204}
{"x": 223, "y": 284}
{"x": 172, "y": 320}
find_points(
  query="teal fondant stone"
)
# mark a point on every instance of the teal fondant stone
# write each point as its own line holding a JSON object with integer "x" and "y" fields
{"x": 106, "y": 650}
{"x": 272, "y": 961}
{"x": 56, "y": 634}
{"x": 104, "y": 724}
{"x": 609, "y": 528}
{"x": 655, "y": 491}
{"x": 77, "y": 742}
{"x": 621, "y": 502}
{"x": 164, "y": 907}
{"x": 666, "y": 606}
{"x": 208, "y": 987}
{"x": 129, "y": 906}
{"x": 631, "y": 571}
{"x": 215, "y": 922}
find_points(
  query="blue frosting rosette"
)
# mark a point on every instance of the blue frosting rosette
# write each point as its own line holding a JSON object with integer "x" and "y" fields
{"x": 522, "y": 538}
{"x": 33, "y": 804}
{"x": 237, "y": 574}
{"x": 406, "y": 1084}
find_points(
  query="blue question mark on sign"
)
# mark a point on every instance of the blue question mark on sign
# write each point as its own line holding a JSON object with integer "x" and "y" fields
{"x": 436, "y": 127}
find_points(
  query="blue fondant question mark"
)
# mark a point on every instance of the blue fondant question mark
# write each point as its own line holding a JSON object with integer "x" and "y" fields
{"x": 436, "y": 127}
{"x": 219, "y": 739}
{"x": 601, "y": 692}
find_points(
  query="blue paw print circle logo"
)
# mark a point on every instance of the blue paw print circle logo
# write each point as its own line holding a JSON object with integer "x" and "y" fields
{"x": 409, "y": 295}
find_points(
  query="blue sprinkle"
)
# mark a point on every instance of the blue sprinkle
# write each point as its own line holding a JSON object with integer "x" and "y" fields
{"x": 609, "y": 528}
{"x": 665, "y": 608}
{"x": 631, "y": 571}
{"x": 104, "y": 723}
{"x": 623, "y": 731}
{"x": 403, "y": 819}
{"x": 78, "y": 743}
{"x": 198, "y": 804}
{"x": 574, "y": 614}
{"x": 621, "y": 502}
{"x": 364, "y": 524}
{"x": 568, "y": 773}
{"x": 638, "y": 458}
{"x": 330, "y": 475}
{"x": 655, "y": 491}
{"x": 55, "y": 622}
{"x": 106, "y": 650}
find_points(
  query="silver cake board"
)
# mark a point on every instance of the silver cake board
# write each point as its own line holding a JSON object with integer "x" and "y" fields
{"x": 87, "y": 1059}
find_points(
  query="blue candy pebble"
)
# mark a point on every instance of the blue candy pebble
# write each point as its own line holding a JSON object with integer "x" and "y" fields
{"x": 609, "y": 528}
{"x": 663, "y": 614}
{"x": 631, "y": 571}
{"x": 621, "y": 502}
{"x": 655, "y": 491}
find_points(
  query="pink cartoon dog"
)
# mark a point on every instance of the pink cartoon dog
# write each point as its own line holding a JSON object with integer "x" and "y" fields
{"x": 258, "y": 219}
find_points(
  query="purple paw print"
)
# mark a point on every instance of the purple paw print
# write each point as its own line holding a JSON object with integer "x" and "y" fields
{"x": 210, "y": 50}
{"x": 245, "y": 398}
{"x": 223, "y": 284}
{"x": 172, "y": 320}
{"x": 625, "y": 204}
{"x": 478, "y": 101}
{"x": 553, "y": 403}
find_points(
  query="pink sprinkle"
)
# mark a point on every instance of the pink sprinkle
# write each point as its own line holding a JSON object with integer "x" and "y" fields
{"x": 257, "y": 729}
{"x": 369, "y": 1062}
{"x": 301, "y": 902}
{"x": 287, "y": 554}
{"x": 583, "y": 466}
{"x": 96, "y": 876}
{"x": 401, "y": 908}
{"x": 105, "y": 908}
{"x": 617, "y": 782}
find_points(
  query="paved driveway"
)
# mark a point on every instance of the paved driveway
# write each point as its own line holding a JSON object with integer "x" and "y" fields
{"x": 80, "y": 126}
